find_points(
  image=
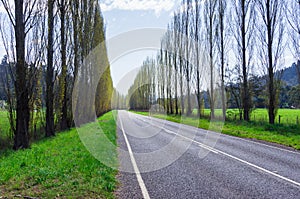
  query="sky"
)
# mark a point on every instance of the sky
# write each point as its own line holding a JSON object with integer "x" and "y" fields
{"x": 125, "y": 16}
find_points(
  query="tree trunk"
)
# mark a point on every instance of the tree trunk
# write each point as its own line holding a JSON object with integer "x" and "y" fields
{"x": 197, "y": 32}
{"x": 272, "y": 92}
{"x": 298, "y": 70}
{"x": 50, "y": 131}
{"x": 245, "y": 95}
{"x": 176, "y": 84}
{"x": 64, "y": 108}
{"x": 211, "y": 57}
{"x": 170, "y": 85}
{"x": 181, "y": 87}
{"x": 188, "y": 72}
{"x": 21, "y": 139}
{"x": 222, "y": 13}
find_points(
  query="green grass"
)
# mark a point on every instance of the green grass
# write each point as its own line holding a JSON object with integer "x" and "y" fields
{"x": 288, "y": 116}
{"x": 288, "y": 135}
{"x": 59, "y": 167}
{"x": 5, "y": 134}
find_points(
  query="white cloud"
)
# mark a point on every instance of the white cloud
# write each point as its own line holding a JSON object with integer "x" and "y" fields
{"x": 157, "y": 6}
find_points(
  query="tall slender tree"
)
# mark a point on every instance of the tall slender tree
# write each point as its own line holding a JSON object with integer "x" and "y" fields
{"x": 22, "y": 16}
{"x": 271, "y": 31}
{"x": 197, "y": 23}
{"x": 210, "y": 22}
{"x": 188, "y": 66}
{"x": 243, "y": 32}
{"x": 292, "y": 15}
{"x": 50, "y": 130}
{"x": 62, "y": 5}
{"x": 176, "y": 23}
{"x": 222, "y": 11}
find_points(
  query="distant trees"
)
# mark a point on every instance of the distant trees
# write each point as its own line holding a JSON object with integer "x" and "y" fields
{"x": 292, "y": 15}
{"x": 91, "y": 63}
{"x": 52, "y": 39}
{"x": 197, "y": 49}
{"x": 142, "y": 94}
{"x": 293, "y": 12}
{"x": 119, "y": 101}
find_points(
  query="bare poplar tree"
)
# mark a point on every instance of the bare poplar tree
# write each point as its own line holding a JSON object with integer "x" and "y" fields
{"x": 271, "y": 32}
{"x": 210, "y": 20}
{"x": 187, "y": 45}
{"x": 181, "y": 61}
{"x": 176, "y": 24}
{"x": 62, "y": 6}
{"x": 50, "y": 131}
{"x": 222, "y": 44}
{"x": 293, "y": 18}
{"x": 197, "y": 36}
{"x": 22, "y": 15}
{"x": 243, "y": 32}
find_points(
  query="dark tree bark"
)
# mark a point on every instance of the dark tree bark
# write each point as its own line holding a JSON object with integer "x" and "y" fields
{"x": 210, "y": 10}
{"x": 21, "y": 140}
{"x": 50, "y": 129}
{"x": 175, "y": 29}
{"x": 181, "y": 62}
{"x": 187, "y": 57}
{"x": 63, "y": 79}
{"x": 245, "y": 93}
{"x": 197, "y": 33}
{"x": 170, "y": 82}
{"x": 222, "y": 8}
{"x": 298, "y": 71}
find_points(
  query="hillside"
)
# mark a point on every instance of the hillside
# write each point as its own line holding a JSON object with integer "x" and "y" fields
{"x": 290, "y": 76}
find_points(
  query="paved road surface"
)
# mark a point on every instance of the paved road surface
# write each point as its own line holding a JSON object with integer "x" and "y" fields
{"x": 161, "y": 159}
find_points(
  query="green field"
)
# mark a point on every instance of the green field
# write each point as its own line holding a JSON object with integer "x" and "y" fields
{"x": 288, "y": 116}
{"x": 284, "y": 134}
{"x": 5, "y": 134}
{"x": 59, "y": 167}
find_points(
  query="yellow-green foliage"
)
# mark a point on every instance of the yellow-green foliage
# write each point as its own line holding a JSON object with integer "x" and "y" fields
{"x": 105, "y": 85}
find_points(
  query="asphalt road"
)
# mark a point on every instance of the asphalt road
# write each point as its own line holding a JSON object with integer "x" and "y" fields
{"x": 161, "y": 159}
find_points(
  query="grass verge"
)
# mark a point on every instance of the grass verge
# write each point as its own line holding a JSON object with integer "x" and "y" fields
{"x": 59, "y": 167}
{"x": 288, "y": 135}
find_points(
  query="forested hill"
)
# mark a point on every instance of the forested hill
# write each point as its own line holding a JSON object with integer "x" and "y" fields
{"x": 290, "y": 75}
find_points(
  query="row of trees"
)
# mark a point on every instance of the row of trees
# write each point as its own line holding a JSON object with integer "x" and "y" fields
{"x": 47, "y": 45}
{"x": 218, "y": 45}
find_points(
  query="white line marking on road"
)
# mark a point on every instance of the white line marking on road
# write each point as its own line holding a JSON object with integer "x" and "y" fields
{"x": 216, "y": 151}
{"x": 135, "y": 167}
{"x": 242, "y": 139}
{"x": 260, "y": 168}
{"x": 189, "y": 139}
{"x": 270, "y": 146}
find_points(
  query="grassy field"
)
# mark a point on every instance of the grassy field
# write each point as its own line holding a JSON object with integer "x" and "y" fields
{"x": 4, "y": 130}
{"x": 288, "y": 135}
{"x": 287, "y": 116}
{"x": 59, "y": 167}
{"x": 6, "y": 135}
